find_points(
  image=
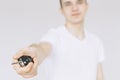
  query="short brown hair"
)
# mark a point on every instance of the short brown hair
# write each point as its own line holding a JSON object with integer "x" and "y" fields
{"x": 60, "y": 3}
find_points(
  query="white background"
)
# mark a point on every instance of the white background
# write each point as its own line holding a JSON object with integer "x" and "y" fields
{"x": 23, "y": 22}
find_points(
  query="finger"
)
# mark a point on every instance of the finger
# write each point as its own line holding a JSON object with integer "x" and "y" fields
{"x": 28, "y": 75}
{"x": 23, "y": 70}
{"x": 33, "y": 70}
{"x": 18, "y": 69}
{"x": 27, "y": 68}
{"x": 25, "y": 51}
{"x": 14, "y": 62}
{"x": 35, "y": 65}
{"x": 18, "y": 54}
{"x": 30, "y": 52}
{"x": 15, "y": 66}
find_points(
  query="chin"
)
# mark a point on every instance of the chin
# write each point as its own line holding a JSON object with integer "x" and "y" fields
{"x": 77, "y": 21}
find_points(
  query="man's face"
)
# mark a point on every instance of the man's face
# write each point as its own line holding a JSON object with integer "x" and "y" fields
{"x": 74, "y": 10}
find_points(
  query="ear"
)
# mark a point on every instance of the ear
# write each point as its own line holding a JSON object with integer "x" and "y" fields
{"x": 86, "y": 8}
{"x": 87, "y": 5}
{"x": 61, "y": 10}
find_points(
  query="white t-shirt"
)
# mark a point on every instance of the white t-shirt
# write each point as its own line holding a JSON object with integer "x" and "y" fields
{"x": 71, "y": 58}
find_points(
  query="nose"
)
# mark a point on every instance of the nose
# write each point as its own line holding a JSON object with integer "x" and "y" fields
{"x": 74, "y": 7}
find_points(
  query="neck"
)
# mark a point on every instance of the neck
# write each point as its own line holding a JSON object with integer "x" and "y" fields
{"x": 76, "y": 29}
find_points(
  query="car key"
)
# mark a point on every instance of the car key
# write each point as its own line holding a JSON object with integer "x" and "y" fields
{"x": 24, "y": 61}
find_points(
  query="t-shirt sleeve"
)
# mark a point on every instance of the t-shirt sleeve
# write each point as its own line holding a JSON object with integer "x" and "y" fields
{"x": 47, "y": 66}
{"x": 51, "y": 36}
{"x": 100, "y": 52}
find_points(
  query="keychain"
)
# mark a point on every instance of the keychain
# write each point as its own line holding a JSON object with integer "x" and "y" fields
{"x": 24, "y": 61}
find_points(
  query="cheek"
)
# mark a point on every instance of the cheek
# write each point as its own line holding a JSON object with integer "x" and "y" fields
{"x": 67, "y": 12}
{"x": 83, "y": 8}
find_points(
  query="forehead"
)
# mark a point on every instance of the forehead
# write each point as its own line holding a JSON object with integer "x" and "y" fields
{"x": 70, "y": 0}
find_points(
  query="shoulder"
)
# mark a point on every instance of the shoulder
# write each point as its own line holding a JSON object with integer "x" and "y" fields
{"x": 55, "y": 29}
{"x": 94, "y": 37}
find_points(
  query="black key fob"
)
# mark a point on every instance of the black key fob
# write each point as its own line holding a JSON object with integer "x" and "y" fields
{"x": 25, "y": 60}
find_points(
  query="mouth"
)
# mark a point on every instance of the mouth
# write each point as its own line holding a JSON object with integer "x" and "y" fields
{"x": 75, "y": 14}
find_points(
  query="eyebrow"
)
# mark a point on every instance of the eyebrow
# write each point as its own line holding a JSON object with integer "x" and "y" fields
{"x": 70, "y": 1}
{"x": 66, "y": 2}
{"x": 80, "y": 0}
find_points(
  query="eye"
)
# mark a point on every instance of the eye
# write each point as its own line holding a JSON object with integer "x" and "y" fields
{"x": 67, "y": 3}
{"x": 80, "y": 1}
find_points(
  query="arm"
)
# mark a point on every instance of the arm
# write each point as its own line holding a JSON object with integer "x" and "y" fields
{"x": 42, "y": 50}
{"x": 99, "y": 72}
{"x": 38, "y": 52}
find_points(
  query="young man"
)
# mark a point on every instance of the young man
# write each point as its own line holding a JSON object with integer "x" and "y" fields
{"x": 69, "y": 51}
